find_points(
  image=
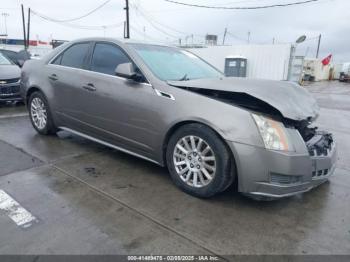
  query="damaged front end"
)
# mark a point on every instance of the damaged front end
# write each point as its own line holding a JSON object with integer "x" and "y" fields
{"x": 304, "y": 157}
{"x": 319, "y": 144}
{"x": 321, "y": 147}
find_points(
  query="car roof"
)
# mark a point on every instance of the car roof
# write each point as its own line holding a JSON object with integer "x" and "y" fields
{"x": 119, "y": 41}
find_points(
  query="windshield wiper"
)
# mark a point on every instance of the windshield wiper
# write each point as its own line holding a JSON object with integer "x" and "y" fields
{"x": 184, "y": 78}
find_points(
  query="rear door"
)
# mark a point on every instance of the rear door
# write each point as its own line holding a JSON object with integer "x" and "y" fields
{"x": 66, "y": 76}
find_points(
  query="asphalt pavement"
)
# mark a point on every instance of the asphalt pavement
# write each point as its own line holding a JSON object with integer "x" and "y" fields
{"x": 73, "y": 196}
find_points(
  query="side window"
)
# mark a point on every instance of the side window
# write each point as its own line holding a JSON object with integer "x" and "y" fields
{"x": 106, "y": 58}
{"x": 75, "y": 55}
{"x": 57, "y": 60}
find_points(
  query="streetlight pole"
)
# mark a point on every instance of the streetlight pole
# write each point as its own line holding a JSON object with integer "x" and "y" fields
{"x": 300, "y": 40}
{"x": 5, "y": 15}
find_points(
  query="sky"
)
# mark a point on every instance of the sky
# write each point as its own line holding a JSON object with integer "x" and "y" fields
{"x": 161, "y": 21}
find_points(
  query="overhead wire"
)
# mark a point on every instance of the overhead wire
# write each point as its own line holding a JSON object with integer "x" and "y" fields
{"x": 159, "y": 26}
{"x": 151, "y": 21}
{"x": 242, "y": 7}
{"x": 85, "y": 27}
{"x": 82, "y": 16}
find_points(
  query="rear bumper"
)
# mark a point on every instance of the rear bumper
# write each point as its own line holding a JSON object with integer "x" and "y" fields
{"x": 274, "y": 174}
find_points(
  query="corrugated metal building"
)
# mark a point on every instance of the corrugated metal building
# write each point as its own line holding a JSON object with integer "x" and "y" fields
{"x": 263, "y": 61}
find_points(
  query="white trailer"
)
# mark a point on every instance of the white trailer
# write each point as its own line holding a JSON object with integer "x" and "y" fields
{"x": 263, "y": 61}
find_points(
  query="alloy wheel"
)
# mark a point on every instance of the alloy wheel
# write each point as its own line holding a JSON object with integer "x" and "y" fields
{"x": 38, "y": 113}
{"x": 194, "y": 161}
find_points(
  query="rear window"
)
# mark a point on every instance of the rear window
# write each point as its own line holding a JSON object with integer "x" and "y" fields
{"x": 74, "y": 56}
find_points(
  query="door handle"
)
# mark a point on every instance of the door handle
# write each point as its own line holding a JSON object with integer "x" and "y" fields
{"x": 89, "y": 87}
{"x": 53, "y": 77}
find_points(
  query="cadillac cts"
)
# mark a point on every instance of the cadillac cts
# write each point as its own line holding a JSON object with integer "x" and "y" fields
{"x": 168, "y": 106}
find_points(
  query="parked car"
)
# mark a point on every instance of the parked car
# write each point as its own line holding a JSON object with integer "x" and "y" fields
{"x": 10, "y": 75}
{"x": 344, "y": 77}
{"x": 17, "y": 58}
{"x": 170, "y": 107}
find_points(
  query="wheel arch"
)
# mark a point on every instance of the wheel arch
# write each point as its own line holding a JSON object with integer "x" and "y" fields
{"x": 30, "y": 91}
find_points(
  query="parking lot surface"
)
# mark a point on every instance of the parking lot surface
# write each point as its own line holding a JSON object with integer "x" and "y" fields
{"x": 89, "y": 199}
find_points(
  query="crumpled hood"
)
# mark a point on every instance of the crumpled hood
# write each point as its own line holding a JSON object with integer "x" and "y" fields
{"x": 291, "y": 100}
{"x": 9, "y": 72}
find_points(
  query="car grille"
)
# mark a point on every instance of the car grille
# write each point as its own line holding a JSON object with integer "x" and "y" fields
{"x": 9, "y": 90}
{"x": 284, "y": 179}
{"x": 320, "y": 173}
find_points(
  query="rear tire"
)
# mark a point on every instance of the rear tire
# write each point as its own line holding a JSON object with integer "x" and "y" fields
{"x": 198, "y": 161}
{"x": 40, "y": 115}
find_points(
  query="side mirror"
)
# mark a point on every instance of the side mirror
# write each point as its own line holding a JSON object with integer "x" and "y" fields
{"x": 126, "y": 70}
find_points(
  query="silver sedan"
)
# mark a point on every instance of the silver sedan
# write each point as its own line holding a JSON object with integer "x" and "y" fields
{"x": 168, "y": 106}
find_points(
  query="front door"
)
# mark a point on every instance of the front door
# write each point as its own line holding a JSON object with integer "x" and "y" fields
{"x": 116, "y": 109}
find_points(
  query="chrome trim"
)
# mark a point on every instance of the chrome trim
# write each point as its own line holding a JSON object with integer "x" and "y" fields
{"x": 280, "y": 196}
{"x": 62, "y": 51}
{"x": 287, "y": 194}
{"x": 10, "y": 84}
{"x": 284, "y": 185}
{"x": 109, "y": 145}
{"x": 84, "y": 70}
{"x": 11, "y": 94}
{"x": 160, "y": 93}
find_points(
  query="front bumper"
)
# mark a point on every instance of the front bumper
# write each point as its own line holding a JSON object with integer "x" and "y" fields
{"x": 266, "y": 173}
{"x": 10, "y": 92}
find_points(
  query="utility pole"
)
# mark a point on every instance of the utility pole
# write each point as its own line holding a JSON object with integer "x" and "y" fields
{"x": 24, "y": 28}
{"x": 223, "y": 40}
{"x": 28, "y": 28}
{"x": 127, "y": 35}
{"x": 248, "y": 37}
{"x": 318, "y": 45}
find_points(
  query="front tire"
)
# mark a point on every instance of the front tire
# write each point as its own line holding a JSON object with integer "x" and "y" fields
{"x": 40, "y": 114}
{"x": 198, "y": 161}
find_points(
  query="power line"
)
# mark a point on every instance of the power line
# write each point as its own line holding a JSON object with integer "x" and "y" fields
{"x": 242, "y": 7}
{"x": 86, "y": 27}
{"x": 147, "y": 36}
{"x": 150, "y": 19}
{"x": 138, "y": 11}
{"x": 82, "y": 16}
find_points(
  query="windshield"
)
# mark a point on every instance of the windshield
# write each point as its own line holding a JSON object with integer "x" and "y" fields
{"x": 4, "y": 60}
{"x": 169, "y": 63}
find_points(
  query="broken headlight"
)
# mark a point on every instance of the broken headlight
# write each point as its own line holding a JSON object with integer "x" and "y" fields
{"x": 272, "y": 132}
